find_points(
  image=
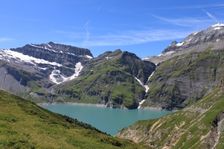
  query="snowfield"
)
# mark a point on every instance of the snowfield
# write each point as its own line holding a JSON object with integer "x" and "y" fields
{"x": 58, "y": 78}
{"x": 8, "y": 54}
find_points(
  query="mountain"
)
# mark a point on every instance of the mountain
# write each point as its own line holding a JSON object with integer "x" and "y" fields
{"x": 185, "y": 79}
{"x": 116, "y": 79}
{"x": 211, "y": 37}
{"x": 25, "y": 125}
{"x": 199, "y": 126}
{"x": 181, "y": 75}
{"x": 54, "y": 72}
{"x": 34, "y": 68}
{"x": 190, "y": 72}
{"x": 188, "y": 77}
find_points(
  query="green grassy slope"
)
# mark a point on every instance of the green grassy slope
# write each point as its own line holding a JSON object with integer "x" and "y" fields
{"x": 25, "y": 125}
{"x": 198, "y": 126}
{"x": 109, "y": 79}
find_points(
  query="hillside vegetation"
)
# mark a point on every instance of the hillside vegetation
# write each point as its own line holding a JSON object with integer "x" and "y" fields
{"x": 198, "y": 126}
{"x": 109, "y": 79}
{"x": 25, "y": 125}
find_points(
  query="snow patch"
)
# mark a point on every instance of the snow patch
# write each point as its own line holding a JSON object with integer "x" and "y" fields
{"x": 180, "y": 44}
{"x": 189, "y": 40}
{"x": 78, "y": 69}
{"x": 42, "y": 68}
{"x": 143, "y": 85}
{"x": 145, "y": 59}
{"x": 49, "y": 45}
{"x": 141, "y": 103}
{"x": 166, "y": 54}
{"x": 107, "y": 58}
{"x": 58, "y": 78}
{"x": 50, "y": 48}
{"x": 195, "y": 33}
{"x": 217, "y": 28}
{"x": 218, "y": 25}
{"x": 8, "y": 54}
{"x": 217, "y": 40}
{"x": 89, "y": 57}
{"x": 151, "y": 75}
{"x": 146, "y": 88}
{"x": 86, "y": 56}
{"x": 46, "y": 47}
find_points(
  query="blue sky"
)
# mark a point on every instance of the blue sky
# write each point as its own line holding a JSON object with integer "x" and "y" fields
{"x": 144, "y": 27}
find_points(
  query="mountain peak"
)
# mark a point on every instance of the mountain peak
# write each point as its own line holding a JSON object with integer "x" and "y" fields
{"x": 211, "y": 37}
{"x": 213, "y": 34}
{"x": 218, "y": 25}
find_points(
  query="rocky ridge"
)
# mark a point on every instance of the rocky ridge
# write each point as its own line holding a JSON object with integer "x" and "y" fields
{"x": 211, "y": 37}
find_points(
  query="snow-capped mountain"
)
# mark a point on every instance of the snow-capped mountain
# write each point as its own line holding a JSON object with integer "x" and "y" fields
{"x": 211, "y": 37}
{"x": 59, "y": 53}
{"x": 213, "y": 34}
{"x": 39, "y": 66}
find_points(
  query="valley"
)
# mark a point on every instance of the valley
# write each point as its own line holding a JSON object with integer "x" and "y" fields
{"x": 185, "y": 82}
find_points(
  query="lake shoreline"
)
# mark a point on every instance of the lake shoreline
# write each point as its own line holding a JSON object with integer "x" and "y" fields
{"x": 100, "y": 106}
{"x": 73, "y": 103}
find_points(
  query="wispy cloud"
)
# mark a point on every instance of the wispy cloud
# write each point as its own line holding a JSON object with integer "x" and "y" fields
{"x": 87, "y": 33}
{"x": 5, "y": 39}
{"x": 220, "y": 5}
{"x": 128, "y": 37}
{"x": 184, "y": 22}
{"x": 211, "y": 16}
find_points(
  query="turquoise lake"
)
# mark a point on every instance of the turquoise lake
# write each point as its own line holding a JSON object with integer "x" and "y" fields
{"x": 105, "y": 119}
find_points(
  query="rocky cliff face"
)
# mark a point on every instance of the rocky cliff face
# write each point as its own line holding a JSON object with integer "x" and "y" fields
{"x": 114, "y": 78}
{"x": 184, "y": 79}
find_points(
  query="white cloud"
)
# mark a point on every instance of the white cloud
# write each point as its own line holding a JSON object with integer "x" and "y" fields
{"x": 5, "y": 39}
